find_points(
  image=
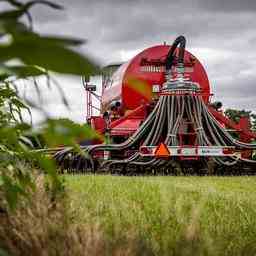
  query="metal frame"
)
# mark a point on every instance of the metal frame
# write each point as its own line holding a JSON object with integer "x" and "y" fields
{"x": 191, "y": 151}
{"x": 89, "y": 99}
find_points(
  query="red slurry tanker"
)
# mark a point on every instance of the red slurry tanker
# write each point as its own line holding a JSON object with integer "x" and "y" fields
{"x": 157, "y": 115}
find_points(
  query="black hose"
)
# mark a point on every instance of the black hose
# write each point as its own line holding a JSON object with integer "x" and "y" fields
{"x": 181, "y": 41}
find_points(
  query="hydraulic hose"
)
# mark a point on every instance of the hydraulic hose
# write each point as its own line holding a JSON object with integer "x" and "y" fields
{"x": 181, "y": 41}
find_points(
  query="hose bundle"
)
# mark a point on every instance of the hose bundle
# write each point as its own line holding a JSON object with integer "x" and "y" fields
{"x": 163, "y": 125}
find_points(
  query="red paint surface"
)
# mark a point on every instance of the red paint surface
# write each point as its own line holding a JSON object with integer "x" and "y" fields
{"x": 127, "y": 127}
{"x": 133, "y": 86}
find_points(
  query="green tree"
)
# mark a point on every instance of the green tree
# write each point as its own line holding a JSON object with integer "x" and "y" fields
{"x": 235, "y": 115}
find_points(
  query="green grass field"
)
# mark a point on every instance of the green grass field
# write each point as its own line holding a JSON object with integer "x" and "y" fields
{"x": 170, "y": 215}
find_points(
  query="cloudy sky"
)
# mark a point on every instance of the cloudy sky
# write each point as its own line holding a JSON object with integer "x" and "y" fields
{"x": 221, "y": 33}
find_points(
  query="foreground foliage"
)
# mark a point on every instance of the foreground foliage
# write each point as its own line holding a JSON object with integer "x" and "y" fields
{"x": 26, "y": 54}
{"x": 44, "y": 227}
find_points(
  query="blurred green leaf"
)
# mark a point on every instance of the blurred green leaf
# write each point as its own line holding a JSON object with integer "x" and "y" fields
{"x": 3, "y": 76}
{"x": 20, "y": 31}
{"x": 3, "y": 252}
{"x": 1, "y": 180}
{"x": 13, "y": 27}
{"x": 66, "y": 132}
{"x": 18, "y": 103}
{"x": 25, "y": 179}
{"x": 26, "y": 142}
{"x": 6, "y": 92}
{"x": 15, "y": 14}
{"x": 12, "y": 191}
{"x": 27, "y": 71}
{"x": 22, "y": 127}
{"x": 49, "y": 54}
{"x": 46, "y": 164}
{"x": 20, "y": 71}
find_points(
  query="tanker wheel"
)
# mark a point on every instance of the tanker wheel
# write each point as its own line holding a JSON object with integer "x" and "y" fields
{"x": 116, "y": 169}
{"x": 176, "y": 168}
{"x": 131, "y": 170}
